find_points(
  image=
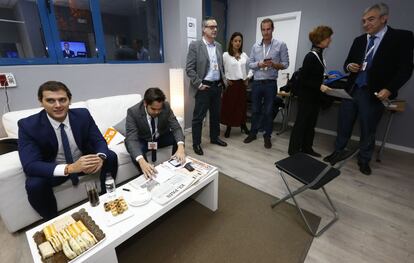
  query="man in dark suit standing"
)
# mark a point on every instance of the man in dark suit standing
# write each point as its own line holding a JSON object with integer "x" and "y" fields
{"x": 67, "y": 53}
{"x": 58, "y": 144}
{"x": 380, "y": 63}
{"x": 151, "y": 124}
{"x": 205, "y": 70}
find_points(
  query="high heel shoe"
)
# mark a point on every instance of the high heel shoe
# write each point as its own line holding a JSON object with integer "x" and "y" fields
{"x": 244, "y": 129}
{"x": 227, "y": 133}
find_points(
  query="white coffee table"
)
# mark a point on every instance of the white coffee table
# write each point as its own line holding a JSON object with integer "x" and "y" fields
{"x": 205, "y": 192}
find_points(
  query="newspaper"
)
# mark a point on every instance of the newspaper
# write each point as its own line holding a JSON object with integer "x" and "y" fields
{"x": 179, "y": 179}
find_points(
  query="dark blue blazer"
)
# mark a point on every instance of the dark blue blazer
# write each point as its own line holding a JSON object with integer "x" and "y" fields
{"x": 392, "y": 64}
{"x": 38, "y": 144}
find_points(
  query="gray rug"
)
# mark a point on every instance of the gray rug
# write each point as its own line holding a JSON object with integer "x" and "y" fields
{"x": 243, "y": 229}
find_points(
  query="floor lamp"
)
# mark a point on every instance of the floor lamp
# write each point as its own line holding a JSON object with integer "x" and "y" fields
{"x": 177, "y": 92}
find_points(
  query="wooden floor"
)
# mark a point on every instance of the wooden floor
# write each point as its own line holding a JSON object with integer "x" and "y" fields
{"x": 376, "y": 212}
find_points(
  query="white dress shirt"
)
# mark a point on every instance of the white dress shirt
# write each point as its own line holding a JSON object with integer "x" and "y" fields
{"x": 236, "y": 69}
{"x": 60, "y": 157}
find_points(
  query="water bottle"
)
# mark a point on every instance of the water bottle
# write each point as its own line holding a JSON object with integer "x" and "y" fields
{"x": 110, "y": 186}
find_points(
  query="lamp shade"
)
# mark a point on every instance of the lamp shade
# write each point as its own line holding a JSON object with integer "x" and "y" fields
{"x": 177, "y": 91}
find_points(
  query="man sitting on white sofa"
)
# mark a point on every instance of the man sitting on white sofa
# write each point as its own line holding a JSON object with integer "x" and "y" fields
{"x": 151, "y": 124}
{"x": 58, "y": 144}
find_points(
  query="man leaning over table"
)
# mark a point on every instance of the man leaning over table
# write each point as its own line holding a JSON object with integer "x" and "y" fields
{"x": 151, "y": 124}
{"x": 58, "y": 144}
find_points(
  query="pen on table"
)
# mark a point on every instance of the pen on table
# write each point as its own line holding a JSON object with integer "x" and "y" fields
{"x": 126, "y": 189}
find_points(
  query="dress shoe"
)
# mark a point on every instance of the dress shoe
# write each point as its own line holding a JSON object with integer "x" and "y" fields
{"x": 244, "y": 129}
{"x": 267, "y": 142}
{"x": 250, "y": 138}
{"x": 227, "y": 133}
{"x": 311, "y": 152}
{"x": 219, "y": 142}
{"x": 341, "y": 155}
{"x": 330, "y": 157}
{"x": 364, "y": 168}
{"x": 197, "y": 149}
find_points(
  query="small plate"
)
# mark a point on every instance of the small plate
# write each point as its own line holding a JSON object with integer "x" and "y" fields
{"x": 138, "y": 197}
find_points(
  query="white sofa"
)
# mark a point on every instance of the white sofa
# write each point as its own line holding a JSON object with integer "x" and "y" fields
{"x": 15, "y": 209}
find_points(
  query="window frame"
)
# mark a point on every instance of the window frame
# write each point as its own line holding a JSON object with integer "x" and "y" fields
{"x": 52, "y": 40}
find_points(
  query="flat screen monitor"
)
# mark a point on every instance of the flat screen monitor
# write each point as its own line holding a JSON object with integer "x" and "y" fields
{"x": 76, "y": 49}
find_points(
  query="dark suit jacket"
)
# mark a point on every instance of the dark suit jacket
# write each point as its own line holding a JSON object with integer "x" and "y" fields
{"x": 392, "y": 64}
{"x": 311, "y": 78}
{"x": 137, "y": 127}
{"x": 70, "y": 55}
{"x": 198, "y": 62}
{"x": 38, "y": 144}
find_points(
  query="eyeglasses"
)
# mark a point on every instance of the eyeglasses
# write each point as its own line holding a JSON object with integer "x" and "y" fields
{"x": 211, "y": 27}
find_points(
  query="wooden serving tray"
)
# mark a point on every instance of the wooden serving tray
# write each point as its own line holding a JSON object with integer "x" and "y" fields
{"x": 59, "y": 257}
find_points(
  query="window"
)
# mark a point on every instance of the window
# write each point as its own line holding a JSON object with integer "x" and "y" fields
{"x": 132, "y": 29}
{"x": 21, "y": 31}
{"x": 80, "y": 31}
{"x": 75, "y": 29}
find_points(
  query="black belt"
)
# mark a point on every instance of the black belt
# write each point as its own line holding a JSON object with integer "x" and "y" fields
{"x": 265, "y": 81}
{"x": 211, "y": 83}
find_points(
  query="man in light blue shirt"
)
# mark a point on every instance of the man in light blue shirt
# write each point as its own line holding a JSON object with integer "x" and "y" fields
{"x": 266, "y": 59}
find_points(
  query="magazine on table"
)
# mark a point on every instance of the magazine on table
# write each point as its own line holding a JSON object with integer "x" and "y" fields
{"x": 175, "y": 180}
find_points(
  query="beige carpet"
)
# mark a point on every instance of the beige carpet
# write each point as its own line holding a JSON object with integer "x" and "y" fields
{"x": 243, "y": 229}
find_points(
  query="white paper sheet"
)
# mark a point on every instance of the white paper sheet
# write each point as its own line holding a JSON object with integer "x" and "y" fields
{"x": 340, "y": 93}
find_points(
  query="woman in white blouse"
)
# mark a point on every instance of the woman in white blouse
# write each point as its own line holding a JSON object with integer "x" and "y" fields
{"x": 234, "y": 103}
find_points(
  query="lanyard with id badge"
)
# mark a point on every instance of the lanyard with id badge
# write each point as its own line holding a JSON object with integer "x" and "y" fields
{"x": 369, "y": 54}
{"x": 265, "y": 54}
{"x": 152, "y": 145}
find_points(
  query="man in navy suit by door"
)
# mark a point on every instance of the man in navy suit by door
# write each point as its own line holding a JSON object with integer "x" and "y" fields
{"x": 380, "y": 63}
{"x": 58, "y": 144}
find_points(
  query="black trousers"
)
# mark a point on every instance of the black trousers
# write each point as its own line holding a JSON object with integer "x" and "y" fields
{"x": 40, "y": 189}
{"x": 301, "y": 138}
{"x": 164, "y": 140}
{"x": 207, "y": 100}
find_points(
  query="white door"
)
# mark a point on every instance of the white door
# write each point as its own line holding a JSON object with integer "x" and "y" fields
{"x": 287, "y": 30}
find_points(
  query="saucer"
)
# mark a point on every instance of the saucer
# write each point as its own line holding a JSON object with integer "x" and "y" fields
{"x": 139, "y": 197}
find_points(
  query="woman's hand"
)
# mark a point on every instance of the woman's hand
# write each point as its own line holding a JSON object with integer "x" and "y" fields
{"x": 325, "y": 88}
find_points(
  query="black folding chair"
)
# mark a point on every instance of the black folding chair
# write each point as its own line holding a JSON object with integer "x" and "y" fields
{"x": 314, "y": 174}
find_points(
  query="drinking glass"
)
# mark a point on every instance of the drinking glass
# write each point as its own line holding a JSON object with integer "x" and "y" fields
{"x": 92, "y": 192}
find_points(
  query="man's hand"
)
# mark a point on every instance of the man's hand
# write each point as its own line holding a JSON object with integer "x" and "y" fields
{"x": 383, "y": 94}
{"x": 95, "y": 169}
{"x": 277, "y": 66}
{"x": 180, "y": 154}
{"x": 353, "y": 67}
{"x": 86, "y": 164}
{"x": 204, "y": 87}
{"x": 229, "y": 82}
{"x": 325, "y": 88}
{"x": 148, "y": 169}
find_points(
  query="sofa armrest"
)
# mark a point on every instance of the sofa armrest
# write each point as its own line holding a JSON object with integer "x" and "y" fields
{"x": 8, "y": 145}
{"x": 10, "y": 165}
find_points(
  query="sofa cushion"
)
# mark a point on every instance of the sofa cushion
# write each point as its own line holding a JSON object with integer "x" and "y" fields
{"x": 10, "y": 119}
{"x": 120, "y": 127}
{"x": 106, "y": 114}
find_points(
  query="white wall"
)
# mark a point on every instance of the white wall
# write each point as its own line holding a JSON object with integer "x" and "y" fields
{"x": 84, "y": 81}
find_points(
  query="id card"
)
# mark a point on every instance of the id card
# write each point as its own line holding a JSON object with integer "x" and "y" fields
{"x": 215, "y": 66}
{"x": 152, "y": 145}
{"x": 364, "y": 66}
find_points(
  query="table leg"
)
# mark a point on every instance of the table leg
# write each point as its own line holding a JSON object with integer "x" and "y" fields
{"x": 285, "y": 122}
{"x": 106, "y": 255}
{"x": 384, "y": 138}
{"x": 208, "y": 196}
